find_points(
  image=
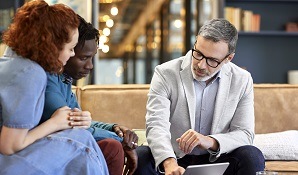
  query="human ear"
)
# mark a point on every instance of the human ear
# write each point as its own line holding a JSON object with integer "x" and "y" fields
{"x": 230, "y": 57}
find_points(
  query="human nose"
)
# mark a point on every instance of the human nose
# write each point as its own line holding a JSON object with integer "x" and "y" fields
{"x": 72, "y": 53}
{"x": 202, "y": 63}
{"x": 89, "y": 64}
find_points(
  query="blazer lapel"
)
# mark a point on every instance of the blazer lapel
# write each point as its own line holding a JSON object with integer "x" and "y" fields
{"x": 187, "y": 83}
{"x": 222, "y": 96}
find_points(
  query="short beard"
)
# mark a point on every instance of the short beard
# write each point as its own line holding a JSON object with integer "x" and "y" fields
{"x": 205, "y": 78}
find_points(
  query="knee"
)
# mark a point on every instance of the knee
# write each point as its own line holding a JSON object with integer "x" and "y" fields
{"x": 144, "y": 153}
{"x": 111, "y": 147}
{"x": 251, "y": 155}
{"x": 146, "y": 163}
{"x": 113, "y": 153}
{"x": 245, "y": 160}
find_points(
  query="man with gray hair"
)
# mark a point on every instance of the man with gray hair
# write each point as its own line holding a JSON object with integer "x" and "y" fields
{"x": 200, "y": 109}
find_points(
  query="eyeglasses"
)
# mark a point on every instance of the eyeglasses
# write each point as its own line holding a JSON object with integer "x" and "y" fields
{"x": 210, "y": 61}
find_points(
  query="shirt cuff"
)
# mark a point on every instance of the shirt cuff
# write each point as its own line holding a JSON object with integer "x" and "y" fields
{"x": 213, "y": 153}
{"x": 160, "y": 169}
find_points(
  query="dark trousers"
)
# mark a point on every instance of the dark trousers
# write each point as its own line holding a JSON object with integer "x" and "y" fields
{"x": 245, "y": 160}
{"x": 114, "y": 154}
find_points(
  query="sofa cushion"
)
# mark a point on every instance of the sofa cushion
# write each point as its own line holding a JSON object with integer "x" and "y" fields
{"x": 279, "y": 145}
{"x": 141, "y": 133}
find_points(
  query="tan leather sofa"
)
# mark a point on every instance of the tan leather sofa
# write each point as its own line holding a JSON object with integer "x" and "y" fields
{"x": 275, "y": 110}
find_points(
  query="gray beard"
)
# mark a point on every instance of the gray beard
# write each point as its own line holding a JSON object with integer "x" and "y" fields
{"x": 202, "y": 78}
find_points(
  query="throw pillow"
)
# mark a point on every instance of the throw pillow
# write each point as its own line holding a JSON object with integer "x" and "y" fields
{"x": 279, "y": 145}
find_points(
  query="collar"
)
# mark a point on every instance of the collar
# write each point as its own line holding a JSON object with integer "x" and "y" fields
{"x": 10, "y": 53}
{"x": 66, "y": 78}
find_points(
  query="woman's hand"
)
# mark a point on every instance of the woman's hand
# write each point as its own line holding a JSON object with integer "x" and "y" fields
{"x": 61, "y": 117}
{"x": 80, "y": 119}
{"x": 16, "y": 139}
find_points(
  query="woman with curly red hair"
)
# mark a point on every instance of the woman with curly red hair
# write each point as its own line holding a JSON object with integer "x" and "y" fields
{"x": 41, "y": 38}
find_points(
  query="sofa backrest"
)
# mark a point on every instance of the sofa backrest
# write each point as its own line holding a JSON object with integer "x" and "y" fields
{"x": 122, "y": 104}
{"x": 275, "y": 105}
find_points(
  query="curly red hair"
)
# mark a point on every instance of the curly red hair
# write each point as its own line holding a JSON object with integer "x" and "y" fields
{"x": 39, "y": 32}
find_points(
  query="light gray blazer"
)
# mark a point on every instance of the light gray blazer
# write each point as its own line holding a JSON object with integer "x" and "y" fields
{"x": 171, "y": 108}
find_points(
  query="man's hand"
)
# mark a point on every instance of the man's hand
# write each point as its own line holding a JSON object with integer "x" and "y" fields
{"x": 171, "y": 167}
{"x": 130, "y": 138}
{"x": 131, "y": 163}
{"x": 190, "y": 139}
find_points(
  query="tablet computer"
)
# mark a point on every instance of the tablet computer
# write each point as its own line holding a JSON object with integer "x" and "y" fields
{"x": 207, "y": 169}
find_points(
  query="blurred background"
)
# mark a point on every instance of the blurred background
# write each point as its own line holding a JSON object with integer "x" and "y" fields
{"x": 137, "y": 35}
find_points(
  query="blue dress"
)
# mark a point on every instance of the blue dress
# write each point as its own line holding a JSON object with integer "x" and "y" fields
{"x": 72, "y": 151}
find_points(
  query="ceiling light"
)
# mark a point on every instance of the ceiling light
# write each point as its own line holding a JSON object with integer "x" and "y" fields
{"x": 103, "y": 38}
{"x": 106, "y": 31}
{"x": 114, "y": 11}
{"x": 110, "y": 23}
{"x": 105, "y": 49}
{"x": 106, "y": 18}
{"x": 178, "y": 23}
{"x": 139, "y": 48}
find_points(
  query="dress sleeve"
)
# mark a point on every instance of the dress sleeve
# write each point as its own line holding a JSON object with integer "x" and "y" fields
{"x": 24, "y": 98}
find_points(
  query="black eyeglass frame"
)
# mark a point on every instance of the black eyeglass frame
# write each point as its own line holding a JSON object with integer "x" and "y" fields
{"x": 207, "y": 58}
